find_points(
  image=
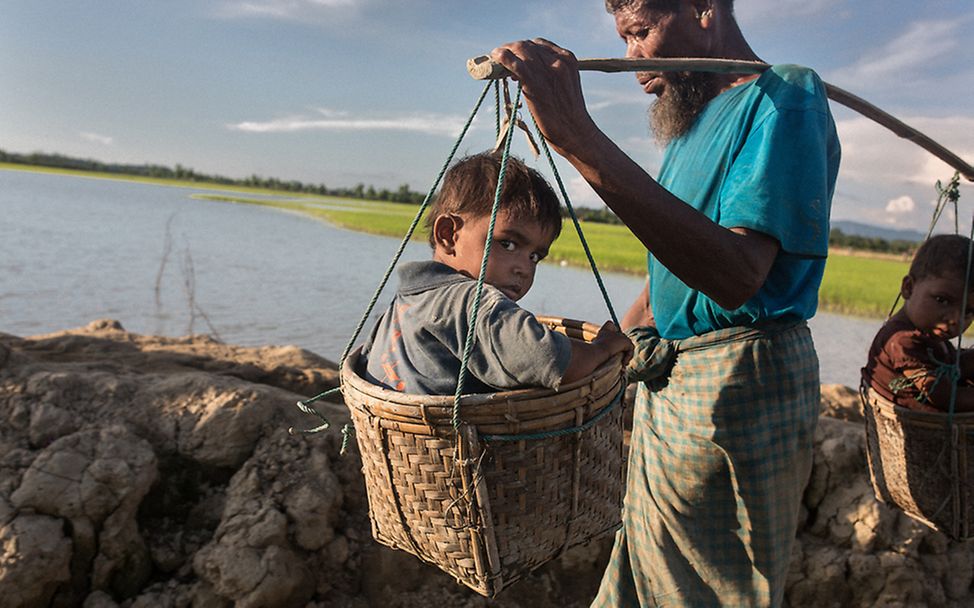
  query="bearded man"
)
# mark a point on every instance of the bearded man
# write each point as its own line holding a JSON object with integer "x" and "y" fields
{"x": 736, "y": 226}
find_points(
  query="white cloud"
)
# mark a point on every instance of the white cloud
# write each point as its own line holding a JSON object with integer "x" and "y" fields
{"x": 871, "y": 153}
{"x": 900, "y": 205}
{"x": 581, "y": 193}
{"x": 598, "y": 100}
{"x": 923, "y": 43}
{"x": 97, "y": 138}
{"x": 285, "y": 9}
{"x": 331, "y": 120}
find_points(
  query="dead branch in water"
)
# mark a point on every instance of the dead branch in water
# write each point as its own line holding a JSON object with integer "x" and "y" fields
{"x": 166, "y": 250}
{"x": 189, "y": 288}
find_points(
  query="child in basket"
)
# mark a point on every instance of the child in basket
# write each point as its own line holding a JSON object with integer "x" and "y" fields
{"x": 417, "y": 346}
{"x": 910, "y": 358}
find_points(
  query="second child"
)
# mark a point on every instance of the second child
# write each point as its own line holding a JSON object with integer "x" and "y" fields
{"x": 910, "y": 358}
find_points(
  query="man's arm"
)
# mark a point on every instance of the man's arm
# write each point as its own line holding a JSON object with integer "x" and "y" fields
{"x": 728, "y": 265}
{"x": 640, "y": 313}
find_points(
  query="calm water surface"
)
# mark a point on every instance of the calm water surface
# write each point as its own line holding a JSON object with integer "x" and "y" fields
{"x": 74, "y": 249}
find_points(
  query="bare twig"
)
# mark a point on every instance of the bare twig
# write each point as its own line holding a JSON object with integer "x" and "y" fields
{"x": 189, "y": 288}
{"x": 166, "y": 250}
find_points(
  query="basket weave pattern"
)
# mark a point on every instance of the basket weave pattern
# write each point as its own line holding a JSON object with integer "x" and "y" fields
{"x": 484, "y": 510}
{"x": 919, "y": 462}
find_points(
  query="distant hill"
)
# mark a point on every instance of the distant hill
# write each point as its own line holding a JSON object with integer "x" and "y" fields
{"x": 877, "y": 232}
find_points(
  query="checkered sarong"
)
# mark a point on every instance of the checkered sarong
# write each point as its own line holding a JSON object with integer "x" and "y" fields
{"x": 718, "y": 461}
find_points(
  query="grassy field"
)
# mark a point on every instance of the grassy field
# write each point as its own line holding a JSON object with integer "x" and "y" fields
{"x": 861, "y": 286}
{"x": 853, "y": 284}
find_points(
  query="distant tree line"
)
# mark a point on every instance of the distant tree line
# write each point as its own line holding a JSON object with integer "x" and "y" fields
{"x": 837, "y": 238}
{"x": 400, "y": 195}
{"x": 403, "y": 194}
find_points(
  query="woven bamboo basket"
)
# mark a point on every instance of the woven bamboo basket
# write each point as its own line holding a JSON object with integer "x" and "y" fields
{"x": 487, "y": 510}
{"x": 920, "y": 462}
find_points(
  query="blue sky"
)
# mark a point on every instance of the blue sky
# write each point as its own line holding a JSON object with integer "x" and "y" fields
{"x": 374, "y": 91}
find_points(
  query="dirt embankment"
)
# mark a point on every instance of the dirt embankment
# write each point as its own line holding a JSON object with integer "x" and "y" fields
{"x": 140, "y": 471}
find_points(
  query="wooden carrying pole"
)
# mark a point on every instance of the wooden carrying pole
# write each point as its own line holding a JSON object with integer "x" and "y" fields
{"x": 484, "y": 68}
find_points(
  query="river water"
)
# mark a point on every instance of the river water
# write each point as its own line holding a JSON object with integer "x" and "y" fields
{"x": 74, "y": 249}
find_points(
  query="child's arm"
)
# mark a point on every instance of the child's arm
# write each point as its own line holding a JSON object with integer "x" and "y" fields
{"x": 939, "y": 395}
{"x": 588, "y": 356}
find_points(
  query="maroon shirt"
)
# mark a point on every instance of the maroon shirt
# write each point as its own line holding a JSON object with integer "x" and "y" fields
{"x": 903, "y": 364}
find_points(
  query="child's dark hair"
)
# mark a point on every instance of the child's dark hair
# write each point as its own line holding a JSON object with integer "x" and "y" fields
{"x": 943, "y": 256}
{"x": 469, "y": 187}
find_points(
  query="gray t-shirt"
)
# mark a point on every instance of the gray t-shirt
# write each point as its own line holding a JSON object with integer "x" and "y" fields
{"x": 417, "y": 345}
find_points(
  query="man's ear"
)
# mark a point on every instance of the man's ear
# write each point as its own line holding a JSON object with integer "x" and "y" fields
{"x": 445, "y": 229}
{"x": 906, "y": 287}
{"x": 703, "y": 12}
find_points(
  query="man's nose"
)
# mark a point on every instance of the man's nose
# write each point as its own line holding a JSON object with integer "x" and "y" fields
{"x": 633, "y": 50}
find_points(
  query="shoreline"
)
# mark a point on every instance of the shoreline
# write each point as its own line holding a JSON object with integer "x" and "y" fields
{"x": 855, "y": 284}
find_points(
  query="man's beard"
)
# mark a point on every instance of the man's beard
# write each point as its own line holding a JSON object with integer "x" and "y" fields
{"x": 674, "y": 112}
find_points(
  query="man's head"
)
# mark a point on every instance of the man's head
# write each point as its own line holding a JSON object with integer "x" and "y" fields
{"x": 613, "y": 6}
{"x": 677, "y": 28}
{"x": 528, "y": 221}
{"x": 934, "y": 289}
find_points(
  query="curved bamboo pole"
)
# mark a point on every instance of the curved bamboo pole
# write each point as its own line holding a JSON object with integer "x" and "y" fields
{"x": 484, "y": 68}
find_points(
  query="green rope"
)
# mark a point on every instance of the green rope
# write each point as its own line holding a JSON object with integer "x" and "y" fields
{"x": 578, "y": 226}
{"x": 963, "y": 315}
{"x": 475, "y": 307}
{"x": 497, "y": 109}
{"x": 304, "y": 405}
{"x": 946, "y": 195}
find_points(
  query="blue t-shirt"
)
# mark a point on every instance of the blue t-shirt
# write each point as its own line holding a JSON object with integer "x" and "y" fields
{"x": 764, "y": 156}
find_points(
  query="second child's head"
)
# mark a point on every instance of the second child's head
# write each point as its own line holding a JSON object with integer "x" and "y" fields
{"x": 933, "y": 291}
{"x": 528, "y": 221}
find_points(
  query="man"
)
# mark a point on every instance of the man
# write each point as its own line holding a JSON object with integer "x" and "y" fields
{"x": 737, "y": 232}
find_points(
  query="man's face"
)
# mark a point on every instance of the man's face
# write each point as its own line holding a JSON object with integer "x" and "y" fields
{"x": 650, "y": 33}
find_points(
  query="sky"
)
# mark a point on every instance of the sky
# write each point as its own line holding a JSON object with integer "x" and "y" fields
{"x": 342, "y": 92}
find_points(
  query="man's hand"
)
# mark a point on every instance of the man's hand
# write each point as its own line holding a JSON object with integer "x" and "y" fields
{"x": 552, "y": 88}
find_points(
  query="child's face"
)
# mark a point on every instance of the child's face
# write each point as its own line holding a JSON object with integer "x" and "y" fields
{"x": 933, "y": 305}
{"x": 518, "y": 246}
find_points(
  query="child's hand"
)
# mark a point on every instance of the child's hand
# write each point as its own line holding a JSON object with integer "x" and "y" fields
{"x": 614, "y": 341}
{"x": 587, "y": 356}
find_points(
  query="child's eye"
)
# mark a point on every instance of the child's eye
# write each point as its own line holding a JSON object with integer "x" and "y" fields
{"x": 536, "y": 257}
{"x": 941, "y": 300}
{"x": 507, "y": 245}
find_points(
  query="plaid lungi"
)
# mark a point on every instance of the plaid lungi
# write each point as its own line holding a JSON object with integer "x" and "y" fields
{"x": 718, "y": 461}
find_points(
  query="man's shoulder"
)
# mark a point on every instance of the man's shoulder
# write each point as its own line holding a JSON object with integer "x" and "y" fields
{"x": 794, "y": 73}
{"x": 793, "y": 86}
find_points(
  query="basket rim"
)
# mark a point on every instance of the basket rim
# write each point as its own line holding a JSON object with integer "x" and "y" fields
{"x": 352, "y": 378}
{"x": 892, "y": 410}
